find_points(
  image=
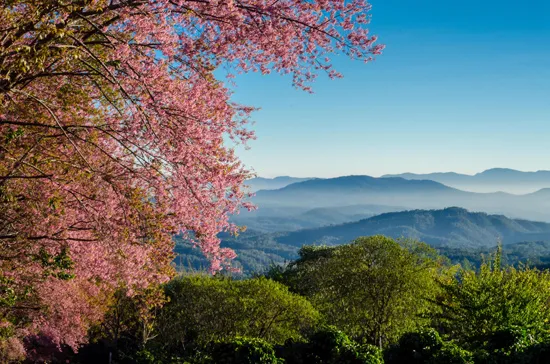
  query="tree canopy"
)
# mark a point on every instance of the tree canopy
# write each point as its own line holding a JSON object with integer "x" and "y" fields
{"x": 224, "y": 308}
{"x": 374, "y": 289}
{"x": 500, "y": 310}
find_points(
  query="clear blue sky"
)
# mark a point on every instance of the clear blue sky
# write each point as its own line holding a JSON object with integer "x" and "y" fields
{"x": 462, "y": 86}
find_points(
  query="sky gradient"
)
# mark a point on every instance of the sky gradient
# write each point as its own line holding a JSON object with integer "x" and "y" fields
{"x": 461, "y": 86}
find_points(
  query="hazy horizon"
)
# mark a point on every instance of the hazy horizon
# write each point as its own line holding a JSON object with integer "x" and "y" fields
{"x": 506, "y": 180}
{"x": 272, "y": 176}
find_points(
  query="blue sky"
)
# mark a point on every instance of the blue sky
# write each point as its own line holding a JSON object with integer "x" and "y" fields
{"x": 462, "y": 86}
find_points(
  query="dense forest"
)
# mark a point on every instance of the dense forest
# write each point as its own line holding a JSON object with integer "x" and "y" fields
{"x": 375, "y": 300}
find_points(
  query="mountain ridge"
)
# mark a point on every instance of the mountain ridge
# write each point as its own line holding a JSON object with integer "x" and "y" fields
{"x": 494, "y": 179}
{"x": 439, "y": 227}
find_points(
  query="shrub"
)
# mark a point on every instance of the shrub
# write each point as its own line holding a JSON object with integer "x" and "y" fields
{"x": 450, "y": 353}
{"x": 415, "y": 347}
{"x": 242, "y": 351}
{"x": 204, "y": 309}
{"x": 330, "y": 346}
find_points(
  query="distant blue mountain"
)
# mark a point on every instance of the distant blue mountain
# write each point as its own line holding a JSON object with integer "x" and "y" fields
{"x": 407, "y": 193}
{"x": 359, "y": 190}
{"x": 366, "y": 183}
{"x": 491, "y": 180}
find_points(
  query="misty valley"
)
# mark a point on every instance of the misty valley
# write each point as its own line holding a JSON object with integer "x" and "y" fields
{"x": 462, "y": 225}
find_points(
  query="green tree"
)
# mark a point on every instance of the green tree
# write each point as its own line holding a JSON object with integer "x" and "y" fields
{"x": 203, "y": 309}
{"x": 373, "y": 289}
{"x": 502, "y": 312}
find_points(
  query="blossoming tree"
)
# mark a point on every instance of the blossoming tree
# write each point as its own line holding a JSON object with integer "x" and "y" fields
{"x": 112, "y": 130}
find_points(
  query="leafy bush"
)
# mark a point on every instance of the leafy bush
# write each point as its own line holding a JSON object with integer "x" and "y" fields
{"x": 415, "y": 347}
{"x": 242, "y": 351}
{"x": 330, "y": 346}
{"x": 516, "y": 344}
{"x": 426, "y": 347}
{"x": 496, "y": 310}
{"x": 450, "y": 353}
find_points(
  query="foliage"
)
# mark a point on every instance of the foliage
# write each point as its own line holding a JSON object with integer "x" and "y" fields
{"x": 330, "y": 346}
{"x": 451, "y": 353}
{"x": 242, "y": 350}
{"x": 374, "y": 289}
{"x": 492, "y": 315}
{"x": 202, "y": 309}
{"x": 11, "y": 350}
{"x": 8, "y": 294}
{"x": 129, "y": 324}
{"x": 515, "y": 345}
{"x": 415, "y": 347}
{"x": 426, "y": 347}
{"x": 495, "y": 307}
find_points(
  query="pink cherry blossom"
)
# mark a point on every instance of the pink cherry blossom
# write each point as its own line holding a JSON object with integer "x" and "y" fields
{"x": 113, "y": 134}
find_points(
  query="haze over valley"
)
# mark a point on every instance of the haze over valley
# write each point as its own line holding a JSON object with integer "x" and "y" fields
{"x": 344, "y": 194}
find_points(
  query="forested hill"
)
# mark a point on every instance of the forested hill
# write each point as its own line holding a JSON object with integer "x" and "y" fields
{"x": 451, "y": 229}
{"x": 455, "y": 227}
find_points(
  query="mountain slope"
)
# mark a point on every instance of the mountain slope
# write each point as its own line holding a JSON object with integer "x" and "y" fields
{"x": 454, "y": 227}
{"x": 352, "y": 190}
{"x": 291, "y": 219}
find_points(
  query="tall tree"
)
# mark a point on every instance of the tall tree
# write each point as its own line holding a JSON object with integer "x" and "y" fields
{"x": 112, "y": 129}
{"x": 374, "y": 289}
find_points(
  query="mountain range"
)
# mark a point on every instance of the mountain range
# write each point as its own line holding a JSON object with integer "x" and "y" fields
{"x": 450, "y": 227}
{"x": 393, "y": 191}
{"x": 491, "y": 180}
